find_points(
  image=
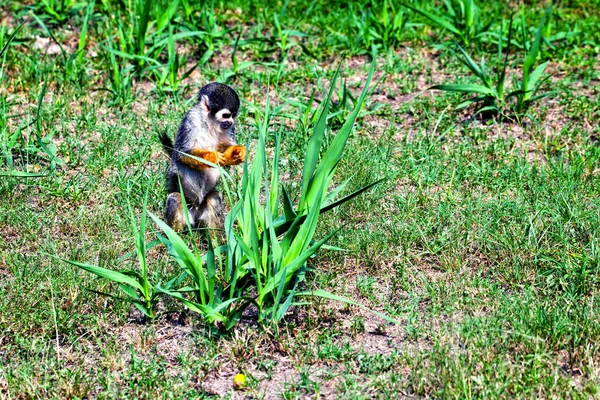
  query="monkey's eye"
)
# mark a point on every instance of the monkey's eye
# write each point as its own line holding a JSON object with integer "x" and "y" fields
{"x": 226, "y": 116}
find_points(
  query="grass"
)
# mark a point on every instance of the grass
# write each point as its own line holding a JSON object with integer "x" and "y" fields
{"x": 482, "y": 240}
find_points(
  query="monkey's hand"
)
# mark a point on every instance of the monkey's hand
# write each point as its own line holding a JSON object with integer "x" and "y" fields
{"x": 234, "y": 155}
{"x": 211, "y": 156}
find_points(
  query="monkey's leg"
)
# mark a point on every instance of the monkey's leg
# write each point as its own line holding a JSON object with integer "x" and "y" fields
{"x": 212, "y": 156}
{"x": 213, "y": 214}
{"x": 174, "y": 212}
{"x": 234, "y": 155}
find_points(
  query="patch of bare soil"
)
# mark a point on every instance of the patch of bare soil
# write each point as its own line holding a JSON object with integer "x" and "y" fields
{"x": 271, "y": 365}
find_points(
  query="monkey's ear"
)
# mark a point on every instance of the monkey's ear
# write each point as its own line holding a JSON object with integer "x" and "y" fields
{"x": 204, "y": 103}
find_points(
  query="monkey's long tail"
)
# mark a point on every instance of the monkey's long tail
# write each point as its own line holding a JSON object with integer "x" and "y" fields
{"x": 166, "y": 142}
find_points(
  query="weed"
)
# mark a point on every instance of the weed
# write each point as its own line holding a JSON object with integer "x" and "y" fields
{"x": 57, "y": 11}
{"x": 491, "y": 92}
{"x": 136, "y": 286}
{"x": 462, "y": 18}
{"x": 380, "y": 25}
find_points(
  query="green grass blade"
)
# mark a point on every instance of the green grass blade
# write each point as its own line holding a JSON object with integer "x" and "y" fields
{"x": 12, "y": 37}
{"x": 22, "y": 174}
{"x": 465, "y": 88}
{"x": 211, "y": 269}
{"x": 295, "y": 264}
{"x": 274, "y": 192}
{"x": 502, "y": 73}
{"x": 204, "y": 310}
{"x": 288, "y": 207}
{"x": 40, "y": 102}
{"x": 314, "y": 145}
{"x": 300, "y": 259}
{"x": 441, "y": 21}
{"x": 137, "y": 57}
{"x": 534, "y": 51}
{"x": 535, "y": 76}
{"x": 184, "y": 256}
{"x": 166, "y": 17}
{"x": 472, "y": 100}
{"x": 142, "y": 26}
{"x": 113, "y": 276}
{"x": 330, "y": 296}
{"x": 472, "y": 65}
{"x": 332, "y": 156}
{"x": 84, "y": 30}
{"x": 280, "y": 229}
{"x": 49, "y": 33}
{"x": 304, "y": 235}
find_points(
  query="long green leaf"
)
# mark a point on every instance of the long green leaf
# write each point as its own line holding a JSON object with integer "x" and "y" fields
{"x": 132, "y": 56}
{"x": 12, "y": 37}
{"x": 274, "y": 194}
{"x": 142, "y": 27}
{"x": 22, "y": 174}
{"x": 166, "y": 17}
{"x": 211, "y": 269}
{"x": 472, "y": 65}
{"x": 288, "y": 208}
{"x": 84, "y": 30}
{"x": 107, "y": 274}
{"x": 189, "y": 261}
{"x": 472, "y": 100}
{"x": 332, "y": 156}
{"x": 205, "y": 310}
{"x": 465, "y": 88}
{"x": 502, "y": 73}
{"x": 330, "y": 296}
{"x": 535, "y": 76}
{"x": 140, "y": 244}
{"x": 281, "y": 229}
{"x": 314, "y": 145}
{"x": 534, "y": 51}
{"x": 289, "y": 270}
{"x": 441, "y": 21}
{"x": 305, "y": 233}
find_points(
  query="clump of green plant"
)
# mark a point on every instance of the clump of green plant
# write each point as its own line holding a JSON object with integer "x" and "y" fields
{"x": 136, "y": 285}
{"x": 12, "y": 144}
{"x": 462, "y": 18}
{"x": 213, "y": 33}
{"x": 57, "y": 11}
{"x": 8, "y": 140}
{"x": 268, "y": 239}
{"x": 491, "y": 93}
{"x": 378, "y": 23}
{"x": 147, "y": 40}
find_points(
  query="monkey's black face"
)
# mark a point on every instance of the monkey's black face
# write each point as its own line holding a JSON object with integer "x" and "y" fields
{"x": 225, "y": 119}
{"x": 221, "y": 104}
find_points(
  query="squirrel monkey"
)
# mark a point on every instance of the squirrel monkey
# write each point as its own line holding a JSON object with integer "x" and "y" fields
{"x": 207, "y": 131}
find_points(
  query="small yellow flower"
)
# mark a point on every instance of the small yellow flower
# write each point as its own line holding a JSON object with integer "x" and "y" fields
{"x": 239, "y": 381}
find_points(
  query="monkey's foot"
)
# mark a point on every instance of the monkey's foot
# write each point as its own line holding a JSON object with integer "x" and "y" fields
{"x": 174, "y": 212}
{"x": 234, "y": 155}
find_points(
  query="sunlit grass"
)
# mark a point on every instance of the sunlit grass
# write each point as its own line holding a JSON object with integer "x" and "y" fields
{"x": 482, "y": 239}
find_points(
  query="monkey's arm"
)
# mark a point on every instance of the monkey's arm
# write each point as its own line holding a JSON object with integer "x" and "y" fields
{"x": 211, "y": 156}
{"x": 234, "y": 155}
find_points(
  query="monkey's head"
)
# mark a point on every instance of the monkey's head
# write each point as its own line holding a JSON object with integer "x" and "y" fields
{"x": 220, "y": 104}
